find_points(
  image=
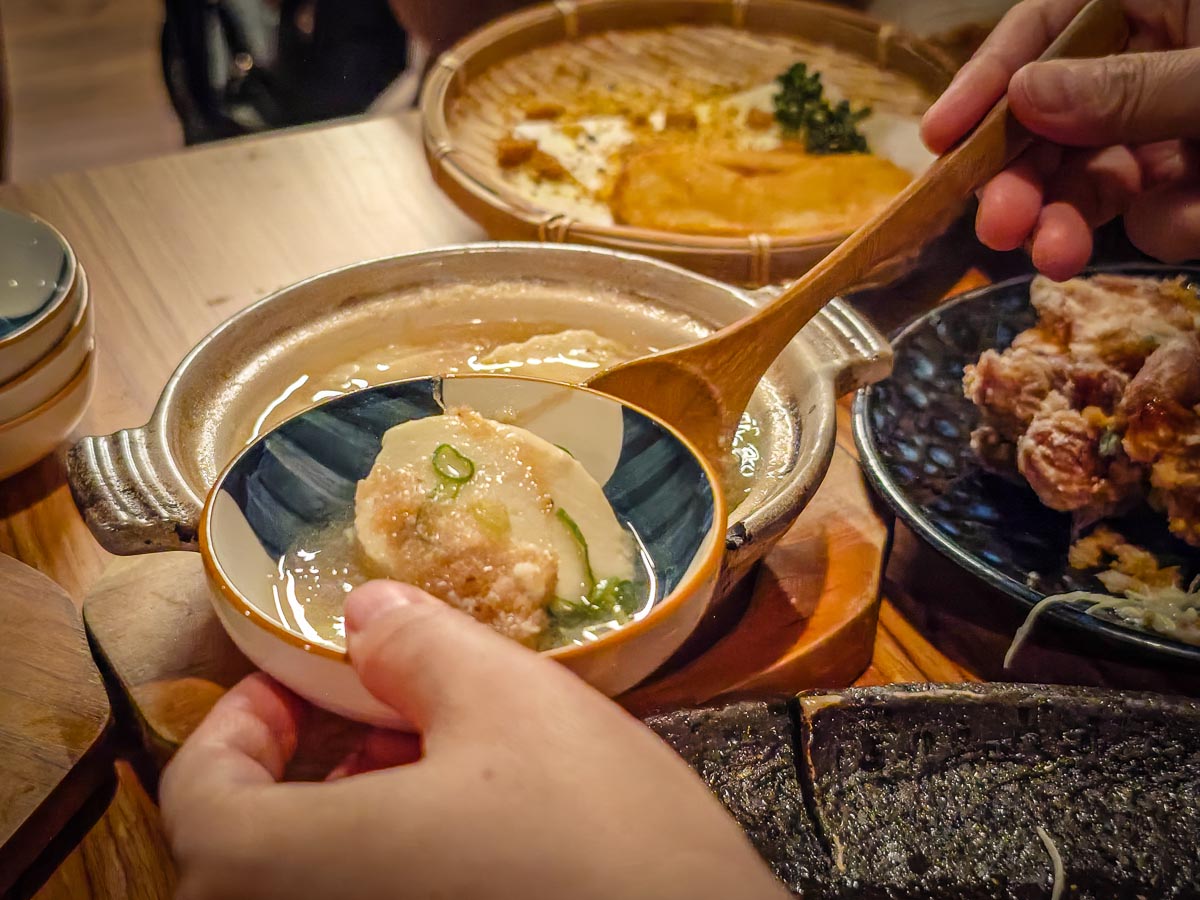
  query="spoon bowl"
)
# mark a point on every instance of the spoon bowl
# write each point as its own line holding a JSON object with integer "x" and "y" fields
{"x": 300, "y": 478}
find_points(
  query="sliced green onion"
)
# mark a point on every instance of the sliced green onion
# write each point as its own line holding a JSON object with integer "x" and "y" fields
{"x": 573, "y": 529}
{"x": 615, "y": 597}
{"x": 1110, "y": 443}
{"x": 565, "y": 450}
{"x": 452, "y": 465}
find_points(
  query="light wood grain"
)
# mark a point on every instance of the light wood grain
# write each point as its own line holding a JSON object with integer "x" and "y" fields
{"x": 55, "y": 745}
{"x": 174, "y": 246}
{"x": 86, "y": 84}
{"x": 125, "y": 857}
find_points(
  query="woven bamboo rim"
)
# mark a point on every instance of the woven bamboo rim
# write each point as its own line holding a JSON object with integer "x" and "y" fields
{"x": 754, "y": 260}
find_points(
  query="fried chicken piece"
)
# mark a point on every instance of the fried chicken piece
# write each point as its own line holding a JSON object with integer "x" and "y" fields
{"x": 995, "y": 452}
{"x": 1015, "y": 387}
{"x": 1115, "y": 318}
{"x": 1163, "y": 429}
{"x": 1159, "y": 405}
{"x": 1011, "y": 387}
{"x": 1061, "y": 458}
{"x": 698, "y": 189}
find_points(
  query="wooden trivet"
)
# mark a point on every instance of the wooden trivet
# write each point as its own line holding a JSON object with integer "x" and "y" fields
{"x": 810, "y": 622}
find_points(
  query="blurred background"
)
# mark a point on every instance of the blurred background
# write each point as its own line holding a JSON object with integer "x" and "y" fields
{"x": 96, "y": 82}
{"x": 84, "y": 84}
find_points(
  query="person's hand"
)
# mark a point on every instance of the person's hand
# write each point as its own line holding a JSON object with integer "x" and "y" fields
{"x": 1118, "y": 134}
{"x": 524, "y": 783}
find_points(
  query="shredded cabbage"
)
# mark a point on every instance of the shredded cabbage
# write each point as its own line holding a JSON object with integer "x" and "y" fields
{"x": 1168, "y": 610}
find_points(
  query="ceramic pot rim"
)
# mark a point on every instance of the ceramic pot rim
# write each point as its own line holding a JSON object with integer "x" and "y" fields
{"x": 774, "y": 515}
{"x": 710, "y": 560}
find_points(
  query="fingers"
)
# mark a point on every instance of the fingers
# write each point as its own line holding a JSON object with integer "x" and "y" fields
{"x": 1062, "y": 242}
{"x": 1168, "y": 163}
{"x": 1165, "y": 223}
{"x": 1090, "y": 188}
{"x": 1021, "y": 37}
{"x": 380, "y": 750}
{"x": 1009, "y": 204}
{"x": 1136, "y": 98}
{"x": 247, "y": 739}
{"x": 429, "y": 662}
{"x": 1052, "y": 203}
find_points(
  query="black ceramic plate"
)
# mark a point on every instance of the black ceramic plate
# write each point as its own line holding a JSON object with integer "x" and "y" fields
{"x": 913, "y": 433}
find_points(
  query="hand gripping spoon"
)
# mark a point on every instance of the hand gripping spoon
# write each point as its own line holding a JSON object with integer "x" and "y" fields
{"x": 702, "y": 388}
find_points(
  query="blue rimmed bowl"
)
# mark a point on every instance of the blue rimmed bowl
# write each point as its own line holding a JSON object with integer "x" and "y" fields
{"x": 302, "y": 476}
{"x": 39, "y": 292}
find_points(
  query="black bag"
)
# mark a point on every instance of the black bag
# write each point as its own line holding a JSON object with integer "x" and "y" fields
{"x": 236, "y": 67}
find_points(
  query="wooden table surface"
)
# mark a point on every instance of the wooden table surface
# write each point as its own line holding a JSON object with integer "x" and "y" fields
{"x": 175, "y": 245}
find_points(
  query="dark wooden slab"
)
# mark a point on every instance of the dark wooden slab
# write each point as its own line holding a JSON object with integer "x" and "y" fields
{"x": 56, "y": 771}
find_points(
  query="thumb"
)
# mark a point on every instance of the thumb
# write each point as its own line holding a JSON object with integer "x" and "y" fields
{"x": 1135, "y": 98}
{"x": 428, "y": 661}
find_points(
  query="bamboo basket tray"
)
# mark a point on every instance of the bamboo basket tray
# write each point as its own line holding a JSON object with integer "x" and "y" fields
{"x": 474, "y": 93}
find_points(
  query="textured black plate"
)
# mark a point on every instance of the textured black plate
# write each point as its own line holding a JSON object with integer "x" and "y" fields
{"x": 913, "y": 433}
{"x": 938, "y": 792}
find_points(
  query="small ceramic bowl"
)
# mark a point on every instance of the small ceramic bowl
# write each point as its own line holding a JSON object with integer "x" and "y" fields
{"x": 39, "y": 291}
{"x": 660, "y": 488}
{"x": 28, "y": 438}
{"x": 50, "y": 374}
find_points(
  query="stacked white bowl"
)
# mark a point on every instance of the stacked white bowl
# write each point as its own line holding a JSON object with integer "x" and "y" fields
{"x": 47, "y": 344}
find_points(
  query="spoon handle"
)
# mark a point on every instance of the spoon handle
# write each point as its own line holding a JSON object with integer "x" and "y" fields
{"x": 922, "y": 211}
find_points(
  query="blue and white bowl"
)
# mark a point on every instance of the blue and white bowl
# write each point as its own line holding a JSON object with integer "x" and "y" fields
{"x": 39, "y": 295}
{"x": 303, "y": 474}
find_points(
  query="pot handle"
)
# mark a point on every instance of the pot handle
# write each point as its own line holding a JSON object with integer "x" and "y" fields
{"x": 130, "y": 495}
{"x": 847, "y": 346}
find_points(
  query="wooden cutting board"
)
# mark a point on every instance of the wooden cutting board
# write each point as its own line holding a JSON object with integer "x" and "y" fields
{"x": 810, "y": 622}
{"x": 56, "y": 771}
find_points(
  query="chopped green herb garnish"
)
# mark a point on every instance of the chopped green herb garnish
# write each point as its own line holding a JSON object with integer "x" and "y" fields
{"x": 572, "y": 528}
{"x": 800, "y": 106}
{"x": 453, "y": 469}
{"x": 452, "y": 465}
{"x": 1110, "y": 443}
{"x": 835, "y": 130}
{"x": 607, "y": 600}
{"x": 799, "y": 91}
{"x": 615, "y": 597}
{"x": 565, "y": 450}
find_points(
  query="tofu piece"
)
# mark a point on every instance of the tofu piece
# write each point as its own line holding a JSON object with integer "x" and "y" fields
{"x": 490, "y": 542}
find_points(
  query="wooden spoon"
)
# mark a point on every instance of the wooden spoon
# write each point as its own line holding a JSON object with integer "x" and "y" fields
{"x": 702, "y": 388}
